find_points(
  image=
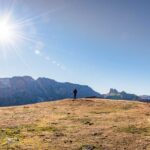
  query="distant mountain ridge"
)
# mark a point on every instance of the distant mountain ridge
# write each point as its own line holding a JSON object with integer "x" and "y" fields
{"x": 145, "y": 97}
{"x": 25, "y": 90}
{"x": 114, "y": 94}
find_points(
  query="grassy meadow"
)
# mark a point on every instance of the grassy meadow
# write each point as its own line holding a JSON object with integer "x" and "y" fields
{"x": 83, "y": 124}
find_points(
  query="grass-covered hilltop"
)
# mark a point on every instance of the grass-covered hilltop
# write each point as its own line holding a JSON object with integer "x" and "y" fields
{"x": 83, "y": 124}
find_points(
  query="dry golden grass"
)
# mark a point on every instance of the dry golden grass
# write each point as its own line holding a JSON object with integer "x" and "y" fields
{"x": 69, "y": 125}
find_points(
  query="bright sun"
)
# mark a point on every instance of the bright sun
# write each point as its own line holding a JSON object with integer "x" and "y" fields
{"x": 15, "y": 32}
{"x": 7, "y": 32}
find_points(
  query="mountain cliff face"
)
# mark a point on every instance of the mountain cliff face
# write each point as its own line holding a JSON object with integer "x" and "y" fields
{"x": 114, "y": 94}
{"x": 24, "y": 90}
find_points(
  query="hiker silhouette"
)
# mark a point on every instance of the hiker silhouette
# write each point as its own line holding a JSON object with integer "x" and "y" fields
{"x": 75, "y": 93}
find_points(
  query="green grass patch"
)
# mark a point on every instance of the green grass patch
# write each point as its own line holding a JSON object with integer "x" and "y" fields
{"x": 10, "y": 132}
{"x": 135, "y": 130}
{"x": 18, "y": 131}
{"x": 38, "y": 129}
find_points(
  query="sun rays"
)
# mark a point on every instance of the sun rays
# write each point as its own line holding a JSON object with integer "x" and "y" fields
{"x": 22, "y": 32}
{"x": 6, "y": 32}
{"x": 16, "y": 32}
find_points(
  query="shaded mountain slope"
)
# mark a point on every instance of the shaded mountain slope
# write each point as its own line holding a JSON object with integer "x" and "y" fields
{"x": 24, "y": 90}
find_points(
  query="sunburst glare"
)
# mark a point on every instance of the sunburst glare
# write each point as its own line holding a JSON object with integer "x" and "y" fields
{"x": 7, "y": 32}
{"x": 15, "y": 32}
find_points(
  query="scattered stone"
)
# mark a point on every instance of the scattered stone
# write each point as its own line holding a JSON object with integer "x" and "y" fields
{"x": 55, "y": 123}
{"x": 31, "y": 129}
{"x": 97, "y": 133}
{"x": 3, "y": 130}
{"x": 59, "y": 134}
{"x": 68, "y": 141}
{"x": 16, "y": 139}
{"x": 42, "y": 135}
{"x": 87, "y": 147}
{"x": 88, "y": 123}
{"x": 11, "y": 140}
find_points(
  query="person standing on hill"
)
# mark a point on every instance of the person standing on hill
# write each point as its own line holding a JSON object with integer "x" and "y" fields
{"x": 75, "y": 93}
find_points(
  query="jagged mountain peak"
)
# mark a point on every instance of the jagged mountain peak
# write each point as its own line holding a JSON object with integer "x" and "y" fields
{"x": 114, "y": 94}
{"x": 113, "y": 91}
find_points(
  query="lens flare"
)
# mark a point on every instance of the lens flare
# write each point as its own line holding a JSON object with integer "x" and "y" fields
{"x": 7, "y": 32}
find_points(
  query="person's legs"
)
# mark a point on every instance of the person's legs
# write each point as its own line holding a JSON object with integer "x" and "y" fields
{"x": 75, "y": 95}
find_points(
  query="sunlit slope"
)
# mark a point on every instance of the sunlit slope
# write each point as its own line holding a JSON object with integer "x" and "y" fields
{"x": 85, "y": 123}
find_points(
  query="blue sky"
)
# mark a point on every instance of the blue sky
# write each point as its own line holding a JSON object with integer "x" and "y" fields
{"x": 100, "y": 43}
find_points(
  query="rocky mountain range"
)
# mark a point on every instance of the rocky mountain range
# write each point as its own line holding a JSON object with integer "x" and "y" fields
{"x": 114, "y": 94}
{"x": 25, "y": 90}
